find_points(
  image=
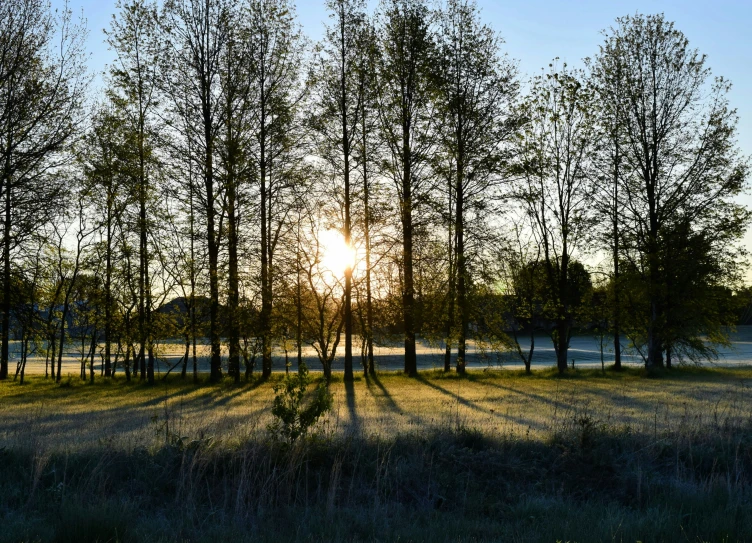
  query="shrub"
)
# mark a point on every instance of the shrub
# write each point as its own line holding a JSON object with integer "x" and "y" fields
{"x": 295, "y": 413}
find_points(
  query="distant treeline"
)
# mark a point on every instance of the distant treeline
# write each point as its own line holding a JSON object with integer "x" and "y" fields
{"x": 196, "y": 194}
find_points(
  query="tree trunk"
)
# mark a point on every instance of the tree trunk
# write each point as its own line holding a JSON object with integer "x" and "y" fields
{"x": 408, "y": 294}
{"x": 462, "y": 304}
{"x": 617, "y": 309}
{"x": 108, "y": 289}
{"x": 371, "y": 368}
{"x": 4, "y": 350}
{"x": 562, "y": 346}
{"x": 184, "y": 369}
{"x": 266, "y": 288}
{"x": 213, "y": 249}
{"x": 127, "y": 361}
{"x": 449, "y": 324}
{"x": 349, "y": 377}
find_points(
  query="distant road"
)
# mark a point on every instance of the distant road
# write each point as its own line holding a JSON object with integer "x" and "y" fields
{"x": 584, "y": 350}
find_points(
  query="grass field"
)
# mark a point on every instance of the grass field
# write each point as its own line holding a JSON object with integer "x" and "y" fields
{"x": 495, "y": 456}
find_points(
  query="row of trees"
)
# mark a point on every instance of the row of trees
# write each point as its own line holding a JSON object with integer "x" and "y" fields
{"x": 194, "y": 198}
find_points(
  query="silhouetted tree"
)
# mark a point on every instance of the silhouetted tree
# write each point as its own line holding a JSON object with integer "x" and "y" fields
{"x": 680, "y": 160}
{"x": 42, "y": 87}
{"x": 405, "y": 112}
{"x": 556, "y": 184}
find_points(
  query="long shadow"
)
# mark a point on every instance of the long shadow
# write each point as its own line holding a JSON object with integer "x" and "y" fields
{"x": 385, "y": 395}
{"x": 355, "y": 422}
{"x": 529, "y": 395}
{"x": 456, "y": 397}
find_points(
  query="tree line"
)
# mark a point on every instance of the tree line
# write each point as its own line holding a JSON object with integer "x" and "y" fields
{"x": 193, "y": 197}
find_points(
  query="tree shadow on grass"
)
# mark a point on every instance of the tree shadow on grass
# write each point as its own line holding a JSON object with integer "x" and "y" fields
{"x": 456, "y": 397}
{"x": 355, "y": 422}
{"x": 384, "y": 394}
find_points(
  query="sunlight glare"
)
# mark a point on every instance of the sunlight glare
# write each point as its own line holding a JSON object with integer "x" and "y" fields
{"x": 337, "y": 256}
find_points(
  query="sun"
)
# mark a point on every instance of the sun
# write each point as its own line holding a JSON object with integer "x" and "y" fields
{"x": 337, "y": 256}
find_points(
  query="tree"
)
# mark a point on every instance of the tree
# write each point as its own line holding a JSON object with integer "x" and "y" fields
{"x": 682, "y": 168}
{"x": 133, "y": 36}
{"x": 197, "y": 32}
{"x": 42, "y": 88}
{"x": 107, "y": 158}
{"x": 475, "y": 89}
{"x": 323, "y": 312}
{"x": 555, "y": 185}
{"x": 340, "y": 98}
{"x": 366, "y": 82}
{"x": 275, "y": 144}
{"x": 405, "y": 111}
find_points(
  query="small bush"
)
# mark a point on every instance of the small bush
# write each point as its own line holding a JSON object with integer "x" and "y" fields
{"x": 294, "y": 414}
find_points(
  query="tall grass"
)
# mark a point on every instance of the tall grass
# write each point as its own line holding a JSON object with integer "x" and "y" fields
{"x": 588, "y": 474}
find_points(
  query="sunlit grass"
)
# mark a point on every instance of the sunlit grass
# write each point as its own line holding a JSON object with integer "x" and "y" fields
{"x": 79, "y": 415}
{"x": 494, "y": 456}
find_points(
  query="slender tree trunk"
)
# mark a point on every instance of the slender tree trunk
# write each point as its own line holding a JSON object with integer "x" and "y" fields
{"x": 213, "y": 248}
{"x": 408, "y": 294}
{"x": 6, "y": 283}
{"x": 299, "y": 301}
{"x": 233, "y": 295}
{"x": 349, "y": 377}
{"x": 462, "y": 304}
{"x": 24, "y": 358}
{"x": 371, "y": 367}
{"x": 108, "y": 288}
{"x": 266, "y": 289}
{"x": 655, "y": 346}
{"x": 448, "y": 325}
{"x": 233, "y": 291}
{"x": 184, "y": 369}
{"x": 563, "y": 324}
{"x": 127, "y": 361}
{"x": 92, "y": 353}
{"x": 192, "y": 297}
{"x": 62, "y": 340}
{"x": 562, "y": 345}
{"x": 617, "y": 308}
{"x": 529, "y": 360}
{"x": 53, "y": 339}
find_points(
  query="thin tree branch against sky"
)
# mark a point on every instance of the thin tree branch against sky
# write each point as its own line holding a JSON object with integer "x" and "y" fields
{"x": 536, "y": 31}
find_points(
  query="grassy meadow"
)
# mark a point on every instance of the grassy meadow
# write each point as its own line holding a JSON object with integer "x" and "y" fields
{"x": 494, "y": 456}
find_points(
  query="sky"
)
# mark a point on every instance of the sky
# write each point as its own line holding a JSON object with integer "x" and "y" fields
{"x": 537, "y": 31}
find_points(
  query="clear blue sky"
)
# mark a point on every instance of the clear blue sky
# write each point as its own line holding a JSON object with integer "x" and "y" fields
{"x": 536, "y": 31}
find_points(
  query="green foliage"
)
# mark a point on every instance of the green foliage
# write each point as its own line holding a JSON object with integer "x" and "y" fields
{"x": 294, "y": 413}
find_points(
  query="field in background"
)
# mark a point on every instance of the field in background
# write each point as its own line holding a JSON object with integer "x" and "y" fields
{"x": 584, "y": 350}
{"x": 496, "y": 456}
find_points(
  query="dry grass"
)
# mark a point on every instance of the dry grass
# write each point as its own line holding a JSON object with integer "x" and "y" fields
{"x": 490, "y": 457}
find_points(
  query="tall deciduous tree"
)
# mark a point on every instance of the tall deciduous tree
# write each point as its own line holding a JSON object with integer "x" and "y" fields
{"x": 42, "y": 86}
{"x": 366, "y": 152}
{"x": 556, "y": 184}
{"x": 275, "y": 45}
{"x": 133, "y": 36}
{"x": 405, "y": 108}
{"x": 475, "y": 90}
{"x": 682, "y": 165}
{"x": 338, "y": 122}
{"x": 108, "y": 161}
{"x": 197, "y": 32}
